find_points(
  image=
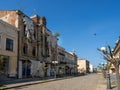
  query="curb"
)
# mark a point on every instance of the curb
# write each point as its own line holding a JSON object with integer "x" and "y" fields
{"x": 32, "y": 83}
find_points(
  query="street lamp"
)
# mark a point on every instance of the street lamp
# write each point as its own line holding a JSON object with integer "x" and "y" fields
{"x": 55, "y": 62}
{"x": 105, "y": 52}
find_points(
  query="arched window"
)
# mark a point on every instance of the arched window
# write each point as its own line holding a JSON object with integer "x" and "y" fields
{"x": 24, "y": 30}
{"x": 34, "y": 51}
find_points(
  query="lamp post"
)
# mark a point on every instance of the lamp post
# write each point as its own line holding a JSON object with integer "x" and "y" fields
{"x": 55, "y": 62}
{"x": 105, "y": 52}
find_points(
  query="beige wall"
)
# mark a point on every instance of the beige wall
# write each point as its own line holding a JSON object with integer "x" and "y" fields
{"x": 8, "y": 31}
{"x": 83, "y": 66}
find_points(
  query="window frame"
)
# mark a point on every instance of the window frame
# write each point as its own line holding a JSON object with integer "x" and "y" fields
{"x": 10, "y": 45}
{"x": 25, "y": 49}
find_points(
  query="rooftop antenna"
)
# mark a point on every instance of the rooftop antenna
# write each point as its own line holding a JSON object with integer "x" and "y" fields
{"x": 21, "y": 7}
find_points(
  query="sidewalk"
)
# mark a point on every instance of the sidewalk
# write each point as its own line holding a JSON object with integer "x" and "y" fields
{"x": 30, "y": 81}
{"x": 113, "y": 82}
{"x": 103, "y": 83}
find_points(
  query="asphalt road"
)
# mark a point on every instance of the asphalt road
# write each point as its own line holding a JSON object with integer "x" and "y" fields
{"x": 87, "y": 82}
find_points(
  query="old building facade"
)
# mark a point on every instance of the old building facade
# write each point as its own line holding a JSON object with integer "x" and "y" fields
{"x": 37, "y": 51}
{"x": 71, "y": 62}
{"x": 8, "y": 50}
{"x": 48, "y": 46}
{"x": 36, "y": 43}
{"x": 61, "y": 60}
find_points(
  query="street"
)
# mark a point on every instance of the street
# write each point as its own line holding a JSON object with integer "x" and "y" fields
{"x": 87, "y": 82}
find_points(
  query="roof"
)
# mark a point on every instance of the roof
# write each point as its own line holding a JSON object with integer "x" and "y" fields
{"x": 9, "y": 25}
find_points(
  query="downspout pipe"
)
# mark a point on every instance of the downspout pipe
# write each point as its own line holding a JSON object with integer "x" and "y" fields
{"x": 18, "y": 56}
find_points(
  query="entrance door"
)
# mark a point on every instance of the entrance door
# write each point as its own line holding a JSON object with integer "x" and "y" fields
{"x": 67, "y": 70}
{"x": 26, "y": 68}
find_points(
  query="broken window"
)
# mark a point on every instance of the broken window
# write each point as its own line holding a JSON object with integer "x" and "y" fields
{"x": 25, "y": 48}
{"x": 25, "y": 34}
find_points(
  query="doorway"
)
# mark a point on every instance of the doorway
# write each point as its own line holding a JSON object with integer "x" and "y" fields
{"x": 26, "y": 68}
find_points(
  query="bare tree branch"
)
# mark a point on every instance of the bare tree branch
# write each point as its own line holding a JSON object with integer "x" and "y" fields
{"x": 106, "y": 58}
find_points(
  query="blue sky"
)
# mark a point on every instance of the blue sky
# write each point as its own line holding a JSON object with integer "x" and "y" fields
{"x": 77, "y": 21}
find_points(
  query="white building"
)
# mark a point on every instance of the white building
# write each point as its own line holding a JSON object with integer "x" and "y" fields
{"x": 91, "y": 68}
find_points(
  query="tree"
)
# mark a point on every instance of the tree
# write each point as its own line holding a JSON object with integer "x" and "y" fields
{"x": 110, "y": 57}
{"x": 57, "y": 34}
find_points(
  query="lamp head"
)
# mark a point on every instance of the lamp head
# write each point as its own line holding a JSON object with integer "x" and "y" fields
{"x": 103, "y": 49}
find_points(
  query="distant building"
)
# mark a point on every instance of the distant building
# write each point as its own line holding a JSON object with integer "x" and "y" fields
{"x": 83, "y": 66}
{"x": 91, "y": 68}
{"x": 61, "y": 60}
{"x": 71, "y": 63}
{"x": 8, "y": 50}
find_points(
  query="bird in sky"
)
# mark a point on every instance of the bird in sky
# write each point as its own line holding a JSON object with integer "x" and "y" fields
{"x": 94, "y": 34}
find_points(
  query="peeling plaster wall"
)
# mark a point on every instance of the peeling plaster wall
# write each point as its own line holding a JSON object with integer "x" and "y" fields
{"x": 9, "y": 16}
{"x": 29, "y": 28}
{"x": 37, "y": 68}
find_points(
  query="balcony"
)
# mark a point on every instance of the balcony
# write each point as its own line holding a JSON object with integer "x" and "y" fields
{"x": 63, "y": 62}
{"x": 62, "y": 54}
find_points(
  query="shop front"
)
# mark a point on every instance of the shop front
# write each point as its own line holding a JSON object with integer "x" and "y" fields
{"x": 8, "y": 67}
{"x": 4, "y": 67}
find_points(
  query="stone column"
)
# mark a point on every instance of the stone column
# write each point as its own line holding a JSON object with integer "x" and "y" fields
{"x": 48, "y": 70}
{"x": 20, "y": 70}
{"x": 12, "y": 66}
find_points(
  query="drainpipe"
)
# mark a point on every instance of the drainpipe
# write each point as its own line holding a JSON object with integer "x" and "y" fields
{"x": 18, "y": 56}
{"x": 43, "y": 41}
